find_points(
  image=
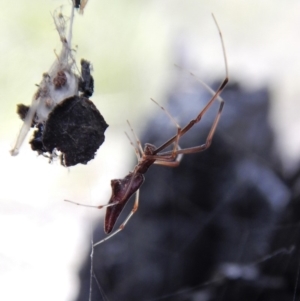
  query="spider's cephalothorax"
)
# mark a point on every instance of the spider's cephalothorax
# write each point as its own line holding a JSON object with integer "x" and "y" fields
{"x": 64, "y": 118}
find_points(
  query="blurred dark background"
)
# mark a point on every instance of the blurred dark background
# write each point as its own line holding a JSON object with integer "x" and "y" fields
{"x": 224, "y": 225}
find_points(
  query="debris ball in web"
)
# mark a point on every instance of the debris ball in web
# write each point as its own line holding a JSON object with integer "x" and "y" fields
{"x": 66, "y": 123}
{"x": 75, "y": 128}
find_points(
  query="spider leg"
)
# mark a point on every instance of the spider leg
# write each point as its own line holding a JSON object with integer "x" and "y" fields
{"x": 208, "y": 105}
{"x": 218, "y": 92}
{"x": 92, "y": 206}
{"x": 200, "y": 148}
{"x": 209, "y": 138}
{"x": 138, "y": 142}
{"x": 198, "y": 118}
{"x": 136, "y": 150}
{"x": 206, "y": 86}
{"x": 176, "y": 142}
{"x": 167, "y": 158}
{"x": 122, "y": 226}
{"x": 168, "y": 161}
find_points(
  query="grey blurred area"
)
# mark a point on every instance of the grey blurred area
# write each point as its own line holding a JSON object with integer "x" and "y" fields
{"x": 221, "y": 226}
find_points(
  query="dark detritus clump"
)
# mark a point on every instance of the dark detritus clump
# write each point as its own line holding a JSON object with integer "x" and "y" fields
{"x": 76, "y": 128}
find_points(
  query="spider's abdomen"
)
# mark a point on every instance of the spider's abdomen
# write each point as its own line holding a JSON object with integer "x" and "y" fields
{"x": 122, "y": 190}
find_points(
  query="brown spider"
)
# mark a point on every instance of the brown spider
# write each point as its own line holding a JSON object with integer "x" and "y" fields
{"x": 123, "y": 189}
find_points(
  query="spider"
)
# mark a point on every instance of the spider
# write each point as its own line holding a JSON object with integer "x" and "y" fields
{"x": 63, "y": 121}
{"x": 123, "y": 189}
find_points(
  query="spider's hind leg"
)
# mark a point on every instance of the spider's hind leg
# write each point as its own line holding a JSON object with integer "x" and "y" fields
{"x": 200, "y": 148}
